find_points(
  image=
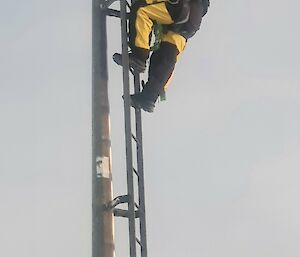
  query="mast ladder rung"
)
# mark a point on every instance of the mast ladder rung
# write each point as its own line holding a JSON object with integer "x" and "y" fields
{"x": 134, "y": 137}
{"x": 135, "y": 172}
{"x": 138, "y": 241}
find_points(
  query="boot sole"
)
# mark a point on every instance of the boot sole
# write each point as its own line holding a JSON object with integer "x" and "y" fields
{"x": 118, "y": 60}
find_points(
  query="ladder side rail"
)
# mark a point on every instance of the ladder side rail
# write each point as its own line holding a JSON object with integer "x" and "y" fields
{"x": 140, "y": 168}
{"x": 127, "y": 114}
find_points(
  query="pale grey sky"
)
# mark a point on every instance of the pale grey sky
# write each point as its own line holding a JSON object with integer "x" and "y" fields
{"x": 222, "y": 155}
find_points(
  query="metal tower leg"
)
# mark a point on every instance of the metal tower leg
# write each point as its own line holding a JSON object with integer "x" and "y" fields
{"x": 140, "y": 168}
{"x": 128, "y": 140}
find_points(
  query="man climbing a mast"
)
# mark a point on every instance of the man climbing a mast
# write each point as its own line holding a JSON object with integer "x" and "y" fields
{"x": 180, "y": 20}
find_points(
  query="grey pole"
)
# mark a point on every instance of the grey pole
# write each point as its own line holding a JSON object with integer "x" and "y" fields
{"x": 102, "y": 218}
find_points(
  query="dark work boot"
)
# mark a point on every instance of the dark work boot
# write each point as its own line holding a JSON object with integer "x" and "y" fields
{"x": 141, "y": 102}
{"x": 147, "y": 98}
{"x": 137, "y": 64}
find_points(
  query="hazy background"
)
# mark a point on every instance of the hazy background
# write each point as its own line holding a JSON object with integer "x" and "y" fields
{"x": 222, "y": 155}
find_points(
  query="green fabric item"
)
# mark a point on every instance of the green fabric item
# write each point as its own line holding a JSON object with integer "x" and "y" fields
{"x": 158, "y": 29}
{"x": 163, "y": 96}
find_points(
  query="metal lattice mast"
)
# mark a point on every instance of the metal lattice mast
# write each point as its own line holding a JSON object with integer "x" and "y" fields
{"x": 135, "y": 197}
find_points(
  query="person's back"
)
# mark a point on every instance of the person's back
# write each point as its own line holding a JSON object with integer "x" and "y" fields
{"x": 197, "y": 9}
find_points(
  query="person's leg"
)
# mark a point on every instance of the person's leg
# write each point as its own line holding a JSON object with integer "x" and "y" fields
{"x": 162, "y": 64}
{"x": 142, "y": 17}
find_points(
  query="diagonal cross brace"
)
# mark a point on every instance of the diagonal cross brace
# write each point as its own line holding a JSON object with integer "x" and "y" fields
{"x": 118, "y": 200}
